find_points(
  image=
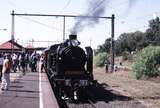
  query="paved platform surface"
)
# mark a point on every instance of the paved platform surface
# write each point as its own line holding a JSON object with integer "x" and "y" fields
{"x": 28, "y": 91}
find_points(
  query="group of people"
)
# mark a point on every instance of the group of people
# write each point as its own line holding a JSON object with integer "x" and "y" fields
{"x": 18, "y": 62}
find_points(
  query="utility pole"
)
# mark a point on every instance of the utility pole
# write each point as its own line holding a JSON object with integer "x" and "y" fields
{"x": 112, "y": 42}
{"x": 63, "y": 28}
{"x": 12, "y": 33}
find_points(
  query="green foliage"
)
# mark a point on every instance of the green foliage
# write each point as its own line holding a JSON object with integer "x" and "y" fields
{"x": 126, "y": 42}
{"x": 153, "y": 32}
{"x": 105, "y": 47}
{"x": 100, "y": 58}
{"x": 148, "y": 60}
{"x": 135, "y": 40}
{"x": 125, "y": 55}
{"x": 129, "y": 42}
{"x": 147, "y": 63}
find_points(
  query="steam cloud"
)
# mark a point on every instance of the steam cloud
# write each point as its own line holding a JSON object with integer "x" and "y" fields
{"x": 95, "y": 8}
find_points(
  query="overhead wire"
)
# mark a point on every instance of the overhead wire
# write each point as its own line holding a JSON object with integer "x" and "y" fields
{"x": 29, "y": 19}
{"x": 69, "y": 1}
{"x": 14, "y": 5}
{"x": 102, "y": 1}
{"x": 92, "y": 11}
{"x": 137, "y": 18}
{"x": 67, "y": 4}
{"x": 140, "y": 18}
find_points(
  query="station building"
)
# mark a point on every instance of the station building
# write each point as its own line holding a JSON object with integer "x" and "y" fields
{"x": 12, "y": 46}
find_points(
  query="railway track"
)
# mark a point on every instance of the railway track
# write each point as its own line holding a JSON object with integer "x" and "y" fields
{"x": 98, "y": 97}
{"x": 85, "y": 101}
{"x": 92, "y": 104}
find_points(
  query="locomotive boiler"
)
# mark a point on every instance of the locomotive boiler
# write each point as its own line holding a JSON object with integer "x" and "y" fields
{"x": 69, "y": 68}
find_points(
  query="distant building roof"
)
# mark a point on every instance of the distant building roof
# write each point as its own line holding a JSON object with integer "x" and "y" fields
{"x": 29, "y": 46}
{"x": 9, "y": 45}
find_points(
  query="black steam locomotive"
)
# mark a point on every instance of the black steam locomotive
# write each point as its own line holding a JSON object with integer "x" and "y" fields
{"x": 69, "y": 68}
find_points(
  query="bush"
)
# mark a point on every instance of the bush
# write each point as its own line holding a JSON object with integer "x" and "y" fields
{"x": 147, "y": 63}
{"x": 99, "y": 59}
{"x": 125, "y": 55}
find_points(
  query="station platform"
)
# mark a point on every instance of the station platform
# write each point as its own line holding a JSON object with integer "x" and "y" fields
{"x": 31, "y": 90}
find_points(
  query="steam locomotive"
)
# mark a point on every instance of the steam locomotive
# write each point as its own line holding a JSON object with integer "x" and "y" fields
{"x": 69, "y": 68}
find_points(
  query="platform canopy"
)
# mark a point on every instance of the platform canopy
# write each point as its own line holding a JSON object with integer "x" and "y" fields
{"x": 9, "y": 46}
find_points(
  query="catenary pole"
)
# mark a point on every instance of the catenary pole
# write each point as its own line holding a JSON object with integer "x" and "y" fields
{"x": 63, "y": 28}
{"x": 12, "y": 33}
{"x": 112, "y": 42}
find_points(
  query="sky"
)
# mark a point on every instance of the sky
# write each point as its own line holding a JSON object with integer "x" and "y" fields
{"x": 130, "y": 16}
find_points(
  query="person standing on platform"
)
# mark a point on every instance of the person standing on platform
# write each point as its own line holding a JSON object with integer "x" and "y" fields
{"x": 7, "y": 65}
{"x": 41, "y": 63}
{"x": 22, "y": 62}
{"x": 26, "y": 61}
{"x": 34, "y": 60}
{"x": 1, "y": 65}
{"x": 15, "y": 62}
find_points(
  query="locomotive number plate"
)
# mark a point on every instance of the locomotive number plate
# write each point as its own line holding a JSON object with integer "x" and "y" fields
{"x": 74, "y": 72}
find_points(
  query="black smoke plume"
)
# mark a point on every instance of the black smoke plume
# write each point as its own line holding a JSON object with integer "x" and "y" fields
{"x": 95, "y": 8}
{"x": 131, "y": 4}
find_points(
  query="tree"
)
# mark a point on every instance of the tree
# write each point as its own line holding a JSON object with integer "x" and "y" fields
{"x": 105, "y": 47}
{"x": 100, "y": 58}
{"x": 129, "y": 42}
{"x": 153, "y": 32}
{"x": 147, "y": 62}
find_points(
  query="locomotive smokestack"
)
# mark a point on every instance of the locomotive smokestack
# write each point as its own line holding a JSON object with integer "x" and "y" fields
{"x": 73, "y": 40}
{"x": 72, "y": 36}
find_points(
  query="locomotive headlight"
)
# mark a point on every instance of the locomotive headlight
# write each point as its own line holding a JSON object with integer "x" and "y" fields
{"x": 60, "y": 58}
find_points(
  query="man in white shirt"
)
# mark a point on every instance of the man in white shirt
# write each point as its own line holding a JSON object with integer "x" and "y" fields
{"x": 7, "y": 64}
